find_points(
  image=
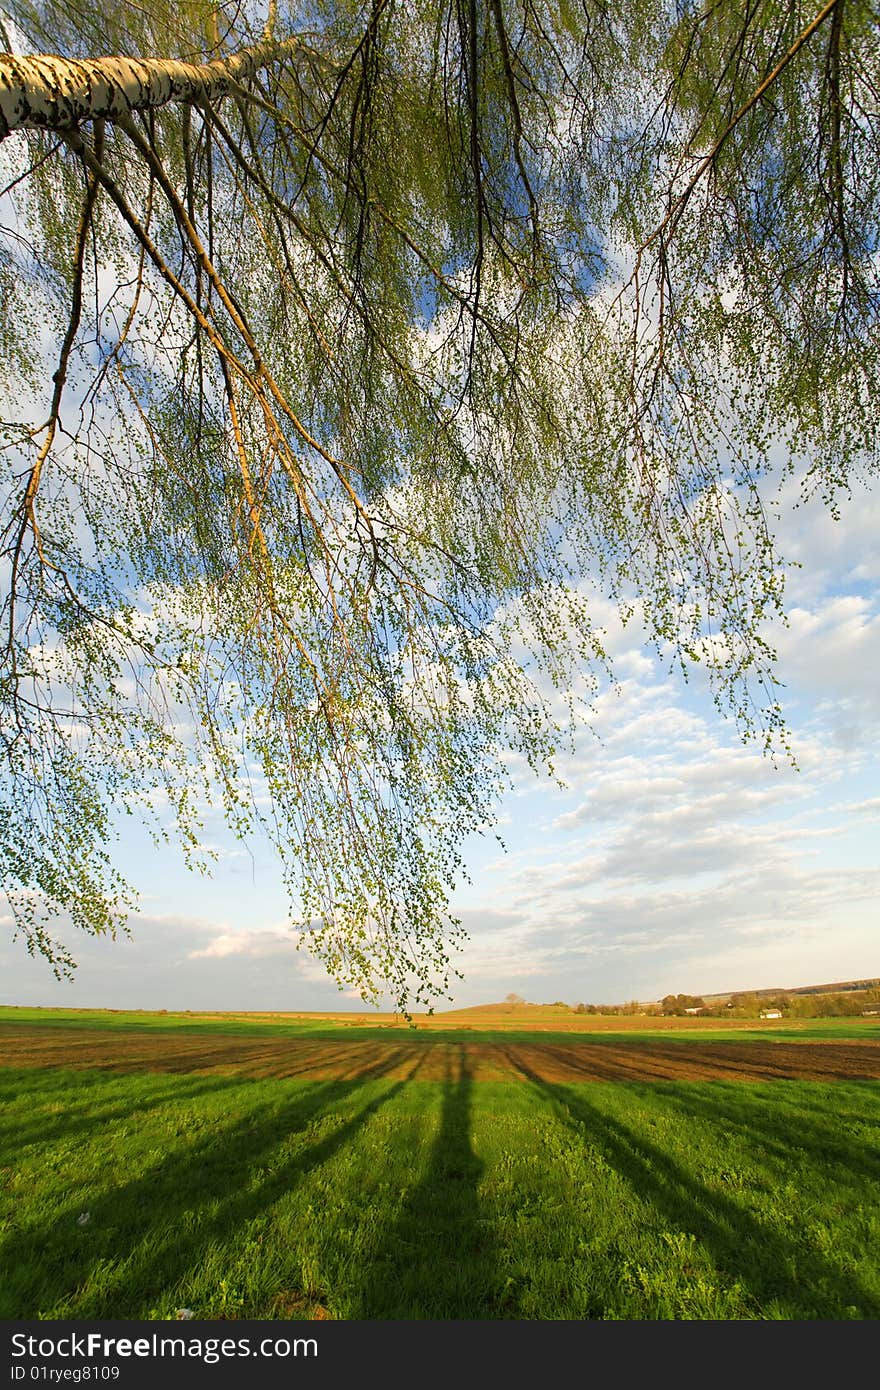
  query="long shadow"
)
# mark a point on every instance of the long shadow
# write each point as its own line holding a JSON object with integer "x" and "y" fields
{"x": 143, "y": 1053}
{"x": 759, "y": 1256}
{"x": 84, "y": 1113}
{"x": 437, "y": 1258}
{"x": 816, "y": 1131}
{"x": 173, "y": 1213}
{"x": 662, "y": 1061}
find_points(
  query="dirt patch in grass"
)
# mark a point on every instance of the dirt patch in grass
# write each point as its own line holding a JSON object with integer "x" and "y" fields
{"x": 352, "y": 1059}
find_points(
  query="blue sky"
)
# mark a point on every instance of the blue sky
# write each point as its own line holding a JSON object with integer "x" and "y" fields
{"x": 676, "y": 859}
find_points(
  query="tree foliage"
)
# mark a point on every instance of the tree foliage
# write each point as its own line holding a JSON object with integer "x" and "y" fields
{"x": 340, "y": 349}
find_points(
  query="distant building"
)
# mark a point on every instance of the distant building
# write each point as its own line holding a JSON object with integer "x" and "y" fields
{"x": 771, "y": 1013}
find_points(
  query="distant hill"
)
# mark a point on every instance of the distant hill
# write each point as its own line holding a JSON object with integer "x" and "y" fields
{"x": 839, "y": 987}
{"x": 521, "y": 1008}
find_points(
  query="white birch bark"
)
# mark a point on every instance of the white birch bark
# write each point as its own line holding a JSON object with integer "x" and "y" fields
{"x": 60, "y": 93}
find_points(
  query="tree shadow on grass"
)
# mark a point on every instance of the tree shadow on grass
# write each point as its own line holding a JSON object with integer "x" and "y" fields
{"x": 144, "y": 1236}
{"x": 778, "y": 1124}
{"x": 436, "y": 1260}
{"x": 47, "y": 1053}
{"x": 773, "y": 1265}
{"x": 85, "y": 1113}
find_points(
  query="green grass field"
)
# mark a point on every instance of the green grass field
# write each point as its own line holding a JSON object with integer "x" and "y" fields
{"x": 441, "y": 1027}
{"x": 397, "y": 1198}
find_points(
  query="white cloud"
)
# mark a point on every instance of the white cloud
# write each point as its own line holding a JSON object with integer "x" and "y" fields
{"x": 677, "y": 859}
{"x": 832, "y": 652}
{"x": 172, "y": 961}
{"x": 680, "y": 858}
{"x": 833, "y": 554}
{"x": 253, "y": 944}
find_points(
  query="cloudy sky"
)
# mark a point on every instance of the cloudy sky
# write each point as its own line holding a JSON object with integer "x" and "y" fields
{"x": 676, "y": 859}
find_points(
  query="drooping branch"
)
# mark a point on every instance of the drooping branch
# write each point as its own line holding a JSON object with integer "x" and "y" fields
{"x": 668, "y": 226}
{"x": 48, "y": 92}
{"x": 369, "y": 420}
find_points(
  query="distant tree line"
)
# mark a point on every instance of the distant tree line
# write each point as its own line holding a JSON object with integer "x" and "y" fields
{"x": 630, "y": 1008}
{"x": 675, "y": 1005}
{"x": 847, "y": 1003}
{"x": 841, "y": 1005}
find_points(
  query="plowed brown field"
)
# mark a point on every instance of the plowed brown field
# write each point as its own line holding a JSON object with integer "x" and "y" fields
{"x": 351, "y": 1059}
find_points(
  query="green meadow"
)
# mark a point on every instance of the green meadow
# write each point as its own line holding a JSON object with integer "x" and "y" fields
{"x": 328, "y": 1026}
{"x": 132, "y": 1195}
